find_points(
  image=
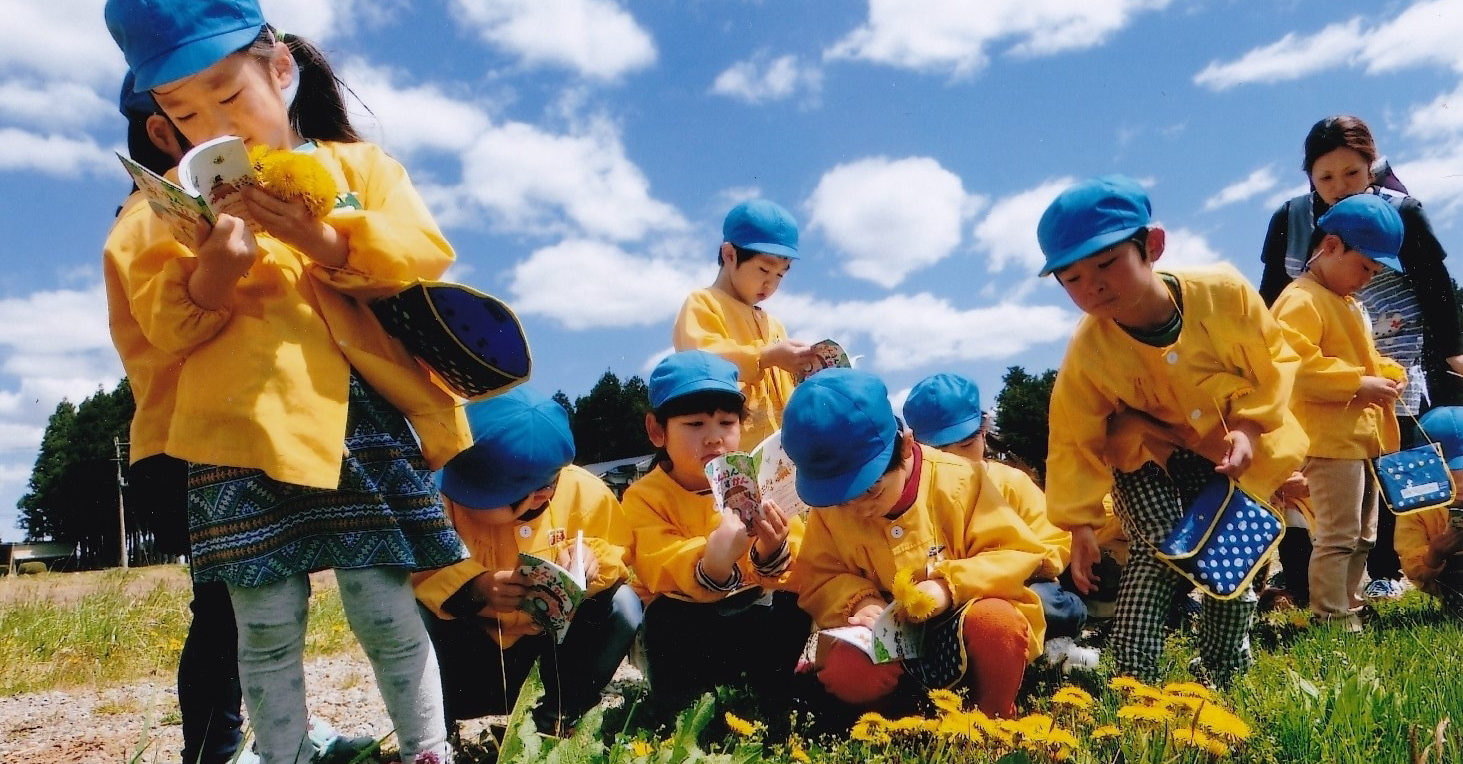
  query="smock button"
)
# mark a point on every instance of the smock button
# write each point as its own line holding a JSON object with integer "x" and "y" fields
{"x": 896, "y": 532}
{"x": 1195, "y": 414}
{"x": 1172, "y": 357}
{"x": 525, "y": 531}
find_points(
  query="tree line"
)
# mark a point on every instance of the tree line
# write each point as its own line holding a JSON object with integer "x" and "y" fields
{"x": 81, "y": 470}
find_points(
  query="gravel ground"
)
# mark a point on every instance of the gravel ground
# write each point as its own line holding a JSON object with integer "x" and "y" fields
{"x": 110, "y": 725}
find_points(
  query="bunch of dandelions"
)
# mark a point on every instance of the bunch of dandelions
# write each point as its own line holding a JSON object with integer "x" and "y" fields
{"x": 295, "y": 176}
{"x": 918, "y": 605}
{"x": 1186, "y": 715}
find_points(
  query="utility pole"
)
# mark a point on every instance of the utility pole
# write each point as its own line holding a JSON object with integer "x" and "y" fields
{"x": 121, "y": 509}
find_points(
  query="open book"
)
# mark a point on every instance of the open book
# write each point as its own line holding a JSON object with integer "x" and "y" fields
{"x": 890, "y": 639}
{"x": 827, "y": 354}
{"x": 740, "y": 481}
{"x": 554, "y": 592}
{"x": 209, "y": 175}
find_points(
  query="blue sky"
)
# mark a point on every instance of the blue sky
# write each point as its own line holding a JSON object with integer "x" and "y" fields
{"x": 581, "y": 154}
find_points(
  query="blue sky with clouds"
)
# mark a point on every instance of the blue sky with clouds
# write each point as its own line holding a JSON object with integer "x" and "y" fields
{"x": 581, "y": 154}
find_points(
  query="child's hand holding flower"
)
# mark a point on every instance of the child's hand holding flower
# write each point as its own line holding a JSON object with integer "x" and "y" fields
{"x": 923, "y": 600}
{"x": 294, "y": 193}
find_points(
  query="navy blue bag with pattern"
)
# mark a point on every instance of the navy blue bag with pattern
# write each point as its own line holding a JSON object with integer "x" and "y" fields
{"x": 1222, "y": 538}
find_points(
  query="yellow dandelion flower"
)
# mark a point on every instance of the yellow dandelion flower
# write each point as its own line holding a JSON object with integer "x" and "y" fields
{"x": 640, "y": 748}
{"x": 1061, "y": 738}
{"x": 870, "y": 728}
{"x": 1220, "y": 721}
{"x": 739, "y": 725}
{"x": 1191, "y": 738}
{"x": 1189, "y": 689}
{"x": 796, "y": 753}
{"x": 295, "y": 176}
{"x": 907, "y": 725}
{"x": 1034, "y": 724}
{"x": 1104, "y": 732}
{"x": 1075, "y": 697}
{"x": 174, "y": 645}
{"x": 1156, "y": 697}
{"x": 1125, "y": 684}
{"x": 1390, "y": 369}
{"x": 947, "y": 701}
{"x": 961, "y": 725}
{"x": 918, "y": 605}
{"x": 1145, "y": 714}
{"x": 1190, "y": 703}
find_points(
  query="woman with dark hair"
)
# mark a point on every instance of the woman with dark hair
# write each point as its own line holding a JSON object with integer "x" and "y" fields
{"x": 1414, "y": 313}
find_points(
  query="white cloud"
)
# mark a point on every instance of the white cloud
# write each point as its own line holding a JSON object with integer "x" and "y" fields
{"x": 1256, "y": 183}
{"x": 1187, "y": 249}
{"x": 1008, "y": 232}
{"x": 1438, "y": 180}
{"x": 533, "y": 181}
{"x": 55, "y": 105}
{"x": 1441, "y": 118}
{"x": 954, "y": 36}
{"x": 759, "y": 80}
{"x": 912, "y": 331}
{"x": 54, "y": 154}
{"x": 314, "y": 20}
{"x": 60, "y": 40}
{"x": 1426, "y": 33}
{"x": 1289, "y": 58}
{"x": 411, "y": 118}
{"x": 891, "y": 217}
{"x": 599, "y": 39}
{"x": 588, "y": 284}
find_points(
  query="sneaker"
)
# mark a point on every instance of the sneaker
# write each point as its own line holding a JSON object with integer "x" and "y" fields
{"x": 1383, "y": 589}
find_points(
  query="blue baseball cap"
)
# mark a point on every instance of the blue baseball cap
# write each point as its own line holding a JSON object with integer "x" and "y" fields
{"x": 136, "y": 104}
{"x": 520, "y": 441}
{"x": 691, "y": 371}
{"x": 1090, "y": 217}
{"x": 943, "y": 409}
{"x": 762, "y": 226}
{"x": 1444, "y": 425}
{"x": 167, "y": 40}
{"x": 1368, "y": 224}
{"x": 840, "y": 432}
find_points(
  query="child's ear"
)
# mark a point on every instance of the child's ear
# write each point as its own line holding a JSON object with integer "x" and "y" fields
{"x": 654, "y": 431}
{"x": 728, "y": 254}
{"x": 906, "y": 444}
{"x": 160, "y": 131}
{"x": 1155, "y": 243}
{"x": 282, "y": 65}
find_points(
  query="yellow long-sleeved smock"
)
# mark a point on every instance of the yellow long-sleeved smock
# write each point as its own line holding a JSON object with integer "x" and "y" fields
{"x": 984, "y": 549}
{"x": 152, "y": 372}
{"x": 1415, "y": 531}
{"x": 1334, "y": 341}
{"x": 668, "y": 529}
{"x": 1026, "y": 498}
{"x": 717, "y": 322}
{"x": 1119, "y": 403}
{"x": 264, "y": 380}
{"x": 581, "y": 502}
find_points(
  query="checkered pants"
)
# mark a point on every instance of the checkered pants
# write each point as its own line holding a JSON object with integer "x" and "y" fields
{"x": 1149, "y": 502}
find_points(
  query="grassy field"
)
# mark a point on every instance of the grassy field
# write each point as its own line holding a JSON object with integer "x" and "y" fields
{"x": 1387, "y": 695}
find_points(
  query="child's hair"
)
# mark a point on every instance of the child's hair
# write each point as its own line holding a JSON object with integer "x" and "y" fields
{"x": 743, "y": 254}
{"x": 709, "y": 402}
{"x": 1343, "y": 131}
{"x": 146, "y": 153}
{"x": 318, "y": 111}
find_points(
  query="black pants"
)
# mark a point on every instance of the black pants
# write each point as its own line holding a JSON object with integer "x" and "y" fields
{"x": 694, "y": 647}
{"x": 479, "y": 678}
{"x": 209, "y": 699}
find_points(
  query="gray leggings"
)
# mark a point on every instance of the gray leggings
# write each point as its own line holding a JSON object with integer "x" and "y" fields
{"x": 382, "y": 613}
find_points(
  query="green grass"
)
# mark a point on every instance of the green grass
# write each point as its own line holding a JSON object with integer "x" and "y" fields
{"x": 1390, "y": 694}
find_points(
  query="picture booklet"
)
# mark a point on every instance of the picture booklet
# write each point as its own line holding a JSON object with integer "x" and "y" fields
{"x": 740, "y": 481}
{"x": 890, "y": 639}
{"x": 210, "y": 175}
{"x": 827, "y": 354}
{"x": 554, "y": 592}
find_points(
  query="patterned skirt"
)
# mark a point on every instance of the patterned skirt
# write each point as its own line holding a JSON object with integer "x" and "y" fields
{"x": 249, "y": 529}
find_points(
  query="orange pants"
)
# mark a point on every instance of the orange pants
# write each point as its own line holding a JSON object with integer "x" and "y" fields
{"x": 996, "y": 635}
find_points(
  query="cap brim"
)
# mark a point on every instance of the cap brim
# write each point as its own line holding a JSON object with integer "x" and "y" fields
{"x": 471, "y": 486}
{"x": 1088, "y": 248}
{"x": 953, "y": 433}
{"x": 192, "y": 57}
{"x": 1391, "y": 261}
{"x": 780, "y": 250}
{"x": 838, "y": 489}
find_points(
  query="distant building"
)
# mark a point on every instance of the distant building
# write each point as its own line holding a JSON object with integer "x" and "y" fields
{"x": 620, "y": 473}
{"x": 48, "y": 552}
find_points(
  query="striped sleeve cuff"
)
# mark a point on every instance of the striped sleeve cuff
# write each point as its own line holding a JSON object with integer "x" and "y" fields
{"x": 775, "y": 565}
{"x": 730, "y": 585}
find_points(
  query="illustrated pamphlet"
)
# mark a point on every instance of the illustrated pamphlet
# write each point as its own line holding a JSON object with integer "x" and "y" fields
{"x": 554, "y": 593}
{"x": 890, "y": 639}
{"x": 209, "y": 175}
{"x": 827, "y": 354}
{"x": 740, "y": 481}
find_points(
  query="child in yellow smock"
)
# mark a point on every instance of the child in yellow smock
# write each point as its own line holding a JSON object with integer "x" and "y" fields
{"x": 1430, "y": 542}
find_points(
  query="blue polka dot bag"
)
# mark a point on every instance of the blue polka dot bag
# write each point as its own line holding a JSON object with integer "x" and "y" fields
{"x": 1413, "y": 480}
{"x": 1222, "y": 538}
